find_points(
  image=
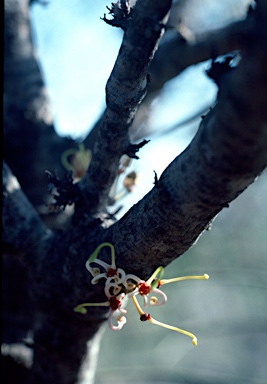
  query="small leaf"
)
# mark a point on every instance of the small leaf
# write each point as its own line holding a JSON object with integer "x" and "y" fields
{"x": 81, "y": 310}
{"x": 154, "y": 284}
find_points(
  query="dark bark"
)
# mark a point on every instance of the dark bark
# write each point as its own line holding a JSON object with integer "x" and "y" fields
{"x": 177, "y": 51}
{"x": 125, "y": 90}
{"x": 226, "y": 155}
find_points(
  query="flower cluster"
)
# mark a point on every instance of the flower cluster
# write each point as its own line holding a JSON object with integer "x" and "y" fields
{"x": 119, "y": 287}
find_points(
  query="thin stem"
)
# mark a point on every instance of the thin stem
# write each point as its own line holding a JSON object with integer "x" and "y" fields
{"x": 159, "y": 271}
{"x": 137, "y": 306}
{"x": 153, "y": 321}
{"x": 167, "y": 281}
{"x": 194, "y": 339}
{"x": 81, "y": 307}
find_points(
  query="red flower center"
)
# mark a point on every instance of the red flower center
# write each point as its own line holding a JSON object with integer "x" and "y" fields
{"x": 145, "y": 317}
{"x": 111, "y": 272}
{"x": 114, "y": 303}
{"x": 143, "y": 289}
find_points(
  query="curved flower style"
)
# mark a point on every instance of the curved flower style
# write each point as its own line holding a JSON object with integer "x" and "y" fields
{"x": 152, "y": 285}
{"x": 115, "y": 305}
{"x": 144, "y": 316}
{"x": 119, "y": 287}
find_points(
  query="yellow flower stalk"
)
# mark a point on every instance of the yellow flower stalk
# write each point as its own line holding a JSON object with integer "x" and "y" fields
{"x": 147, "y": 317}
{"x": 167, "y": 281}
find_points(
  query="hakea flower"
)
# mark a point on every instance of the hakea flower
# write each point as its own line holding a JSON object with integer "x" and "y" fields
{"x": 119, "y": 287}
{"x": 114, "y": 276}
{"x": 152, "y": 285}
{"x": 115, "y": 310}
{"x": 144, "y": 288}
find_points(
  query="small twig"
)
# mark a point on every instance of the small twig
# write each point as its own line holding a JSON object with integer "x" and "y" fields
{"x": 67, "y": 192}
{"x": 219, "y": 69}
{"x": 133, "y": 148}
{"x": 156, "y": 180}
{"x": 121, "y": 13}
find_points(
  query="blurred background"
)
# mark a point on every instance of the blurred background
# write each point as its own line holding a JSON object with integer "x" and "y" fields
{"x": 228, "y": 312}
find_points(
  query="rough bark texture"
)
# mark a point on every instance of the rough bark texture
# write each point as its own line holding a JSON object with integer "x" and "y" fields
{"x": 125, "y": 90}
{"x": 227, "y": 154}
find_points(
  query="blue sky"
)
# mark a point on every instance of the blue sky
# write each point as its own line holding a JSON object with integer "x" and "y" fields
{"x": 77, "y": 51}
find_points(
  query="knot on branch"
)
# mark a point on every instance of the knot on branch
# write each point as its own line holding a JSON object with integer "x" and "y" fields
{"x": 156, "y": 180}
{"x": 133, "y": 148}
{"x": 121, "y": 12}
{"x": 64, "y": 191}
{"x": 219, "y": 69}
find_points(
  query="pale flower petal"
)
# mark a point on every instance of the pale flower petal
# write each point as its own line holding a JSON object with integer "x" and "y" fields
{"x": 97, "y": 278}
{"x": 121, "y": 320}
{"x": 162, "y": 295}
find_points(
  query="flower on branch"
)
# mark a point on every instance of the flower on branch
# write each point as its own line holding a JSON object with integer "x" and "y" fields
{"x": 127, "y": 184}
{"x": 144, "y": 288}
{"x": 115, "y": 309}
{"x": 77, "y": 160}
{"x": 114, "y": 276}
{"x": 119, "y": 287}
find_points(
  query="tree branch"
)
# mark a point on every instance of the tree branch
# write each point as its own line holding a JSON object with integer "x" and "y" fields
{"x": 28, "y": 93}
{"x": 125, "y": 89}
{"x": 177, "y": 51}
{"x": 23, "y": 230}
{"x": 227, "y": 154}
